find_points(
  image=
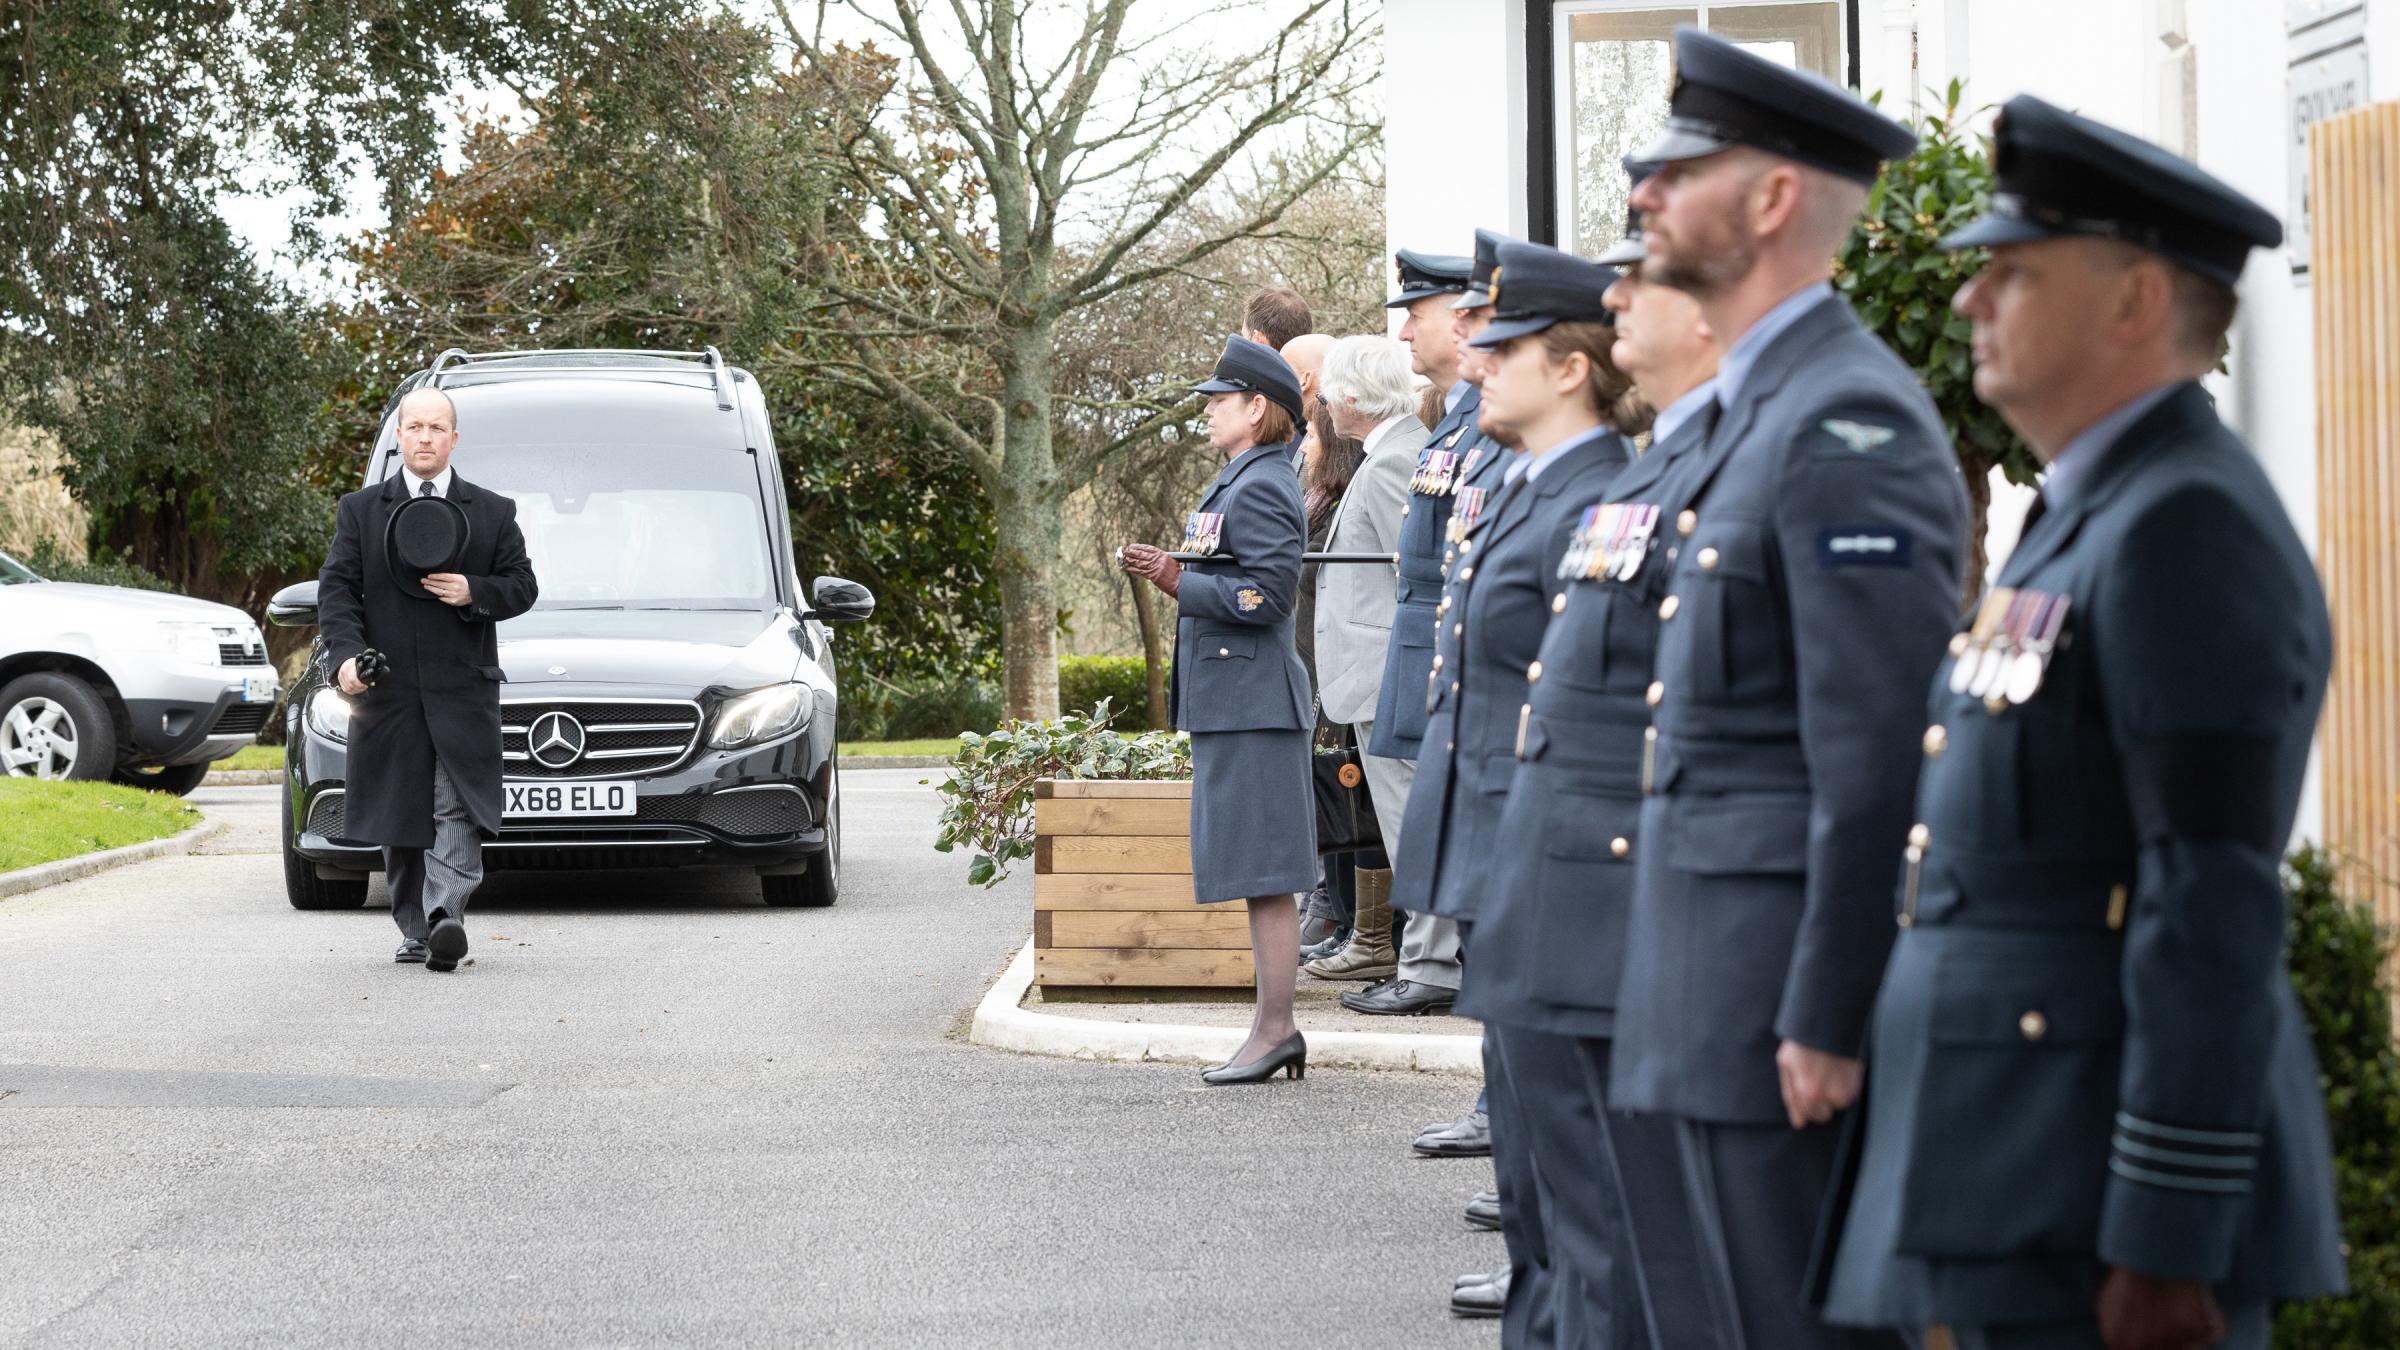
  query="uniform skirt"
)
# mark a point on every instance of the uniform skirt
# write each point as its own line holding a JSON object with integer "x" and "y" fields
{"x": 1254, "y": 815}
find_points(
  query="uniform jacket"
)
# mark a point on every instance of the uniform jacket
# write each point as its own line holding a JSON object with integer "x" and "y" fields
{"x": 1355, "y": 600}
{"x": 1235, "y": 666}
{"x": 1815, "y": 588}
{"x": 1399, "y": 700}
{"x": 441, "y": 691}
{"x": 1550, "y": 937}
{"x": 1490, "y": 618}
{"x": 2087, "y": 1051}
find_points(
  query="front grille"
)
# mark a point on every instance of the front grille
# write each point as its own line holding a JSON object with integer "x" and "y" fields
{"x": 242, "y": 719}
{"x": 621, "y": 739}
{"x": 325, "y": 814}
{"x": 235, "y": 654}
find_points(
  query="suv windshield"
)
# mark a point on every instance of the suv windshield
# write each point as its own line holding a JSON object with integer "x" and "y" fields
{"x": 13, "y": 572}
{"x": 635, "y": 527}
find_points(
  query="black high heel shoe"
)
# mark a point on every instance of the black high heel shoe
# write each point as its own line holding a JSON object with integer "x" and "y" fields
{"x": 1290, "y": 1057}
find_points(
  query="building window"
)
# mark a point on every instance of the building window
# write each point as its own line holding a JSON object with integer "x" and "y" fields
{"x": 1612, "y": 68}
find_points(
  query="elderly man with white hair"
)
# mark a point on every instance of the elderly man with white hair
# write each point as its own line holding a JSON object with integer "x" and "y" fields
{"x": 1368, "y": 391}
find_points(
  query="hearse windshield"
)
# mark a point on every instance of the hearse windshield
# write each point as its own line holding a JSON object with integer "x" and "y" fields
{"x": 633, "y": 529}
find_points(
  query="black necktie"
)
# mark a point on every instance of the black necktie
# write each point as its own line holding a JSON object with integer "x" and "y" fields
{"x": 2034, "y": 513}
{"x": 425, "y": 489}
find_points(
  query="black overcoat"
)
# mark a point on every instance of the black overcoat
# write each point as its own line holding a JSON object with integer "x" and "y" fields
{"x": 441, "y": 691}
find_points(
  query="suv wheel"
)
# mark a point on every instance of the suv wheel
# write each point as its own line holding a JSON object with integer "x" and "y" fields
{"x": 53, "y": 726}
{"x": 179, "y": 779}
{"x": 821, "y": 884}
{"x": 301, "y": 884}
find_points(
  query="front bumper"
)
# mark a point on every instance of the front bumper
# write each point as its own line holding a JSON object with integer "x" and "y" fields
{"x": 758, "y": 808}
{"x": 204, "y": 719}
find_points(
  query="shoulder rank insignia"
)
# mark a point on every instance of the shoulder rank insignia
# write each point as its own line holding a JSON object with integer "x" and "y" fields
{"x": 1859, "y": 436}
{"x": 1202, "y": 530}
{"x": 1248, "y": 599}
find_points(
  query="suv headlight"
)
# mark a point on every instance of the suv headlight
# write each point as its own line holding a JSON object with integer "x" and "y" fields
{"x": 329, "y": 715}
{"x": 191, "y": 643}
{"x": 760, "y": 715}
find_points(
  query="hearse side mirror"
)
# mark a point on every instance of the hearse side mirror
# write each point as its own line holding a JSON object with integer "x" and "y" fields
{"x": 835, "y": 600}
{"x": 295, "y": 606}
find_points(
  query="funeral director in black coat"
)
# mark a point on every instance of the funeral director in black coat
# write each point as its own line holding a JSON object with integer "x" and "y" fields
{"x": 424, "y": 765}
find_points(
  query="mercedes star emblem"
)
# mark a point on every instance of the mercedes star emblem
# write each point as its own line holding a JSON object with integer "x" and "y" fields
{"x": 555, "y": 740}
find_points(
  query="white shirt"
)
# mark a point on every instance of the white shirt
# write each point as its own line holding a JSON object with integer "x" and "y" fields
{"x": 416, "y": 485}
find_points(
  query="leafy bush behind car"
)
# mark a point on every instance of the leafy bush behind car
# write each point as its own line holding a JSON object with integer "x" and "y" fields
{"x": 102, "y": 570}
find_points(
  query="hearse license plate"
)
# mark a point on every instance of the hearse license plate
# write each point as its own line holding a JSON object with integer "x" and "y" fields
{"x": 568, "y": 799}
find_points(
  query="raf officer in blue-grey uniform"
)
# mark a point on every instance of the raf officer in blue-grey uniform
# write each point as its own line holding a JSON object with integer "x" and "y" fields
{"x": 1240, "y": 690}
{"x": 1550, "y": 936}
{"x": 1815, "y": 581}
{"x": 1551, "y": 393}
{"x": 2093, "y": 1117}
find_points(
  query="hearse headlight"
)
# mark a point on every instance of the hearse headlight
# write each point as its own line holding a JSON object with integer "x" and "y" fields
{"x": 760, "y": 715}
{"x": 329, "y": 715}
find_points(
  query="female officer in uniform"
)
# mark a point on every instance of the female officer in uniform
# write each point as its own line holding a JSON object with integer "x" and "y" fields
{"x": 1240, "y": 689}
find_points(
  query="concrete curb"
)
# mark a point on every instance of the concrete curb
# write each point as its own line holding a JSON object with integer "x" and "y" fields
{"x": 86, "y": 864}
{"x": 242, "y": 777}
{"x": 259, "y": 777}
{"x": 1003, "y": 1025}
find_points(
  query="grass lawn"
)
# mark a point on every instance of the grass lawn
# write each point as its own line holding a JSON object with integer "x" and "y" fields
{"x": 253, "y": 757}
{"x": 940, "y": 745}
{"x": 44, "y": 821}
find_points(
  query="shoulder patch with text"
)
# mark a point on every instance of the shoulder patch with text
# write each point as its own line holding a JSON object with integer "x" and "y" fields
{"x": 1863, "y": 546}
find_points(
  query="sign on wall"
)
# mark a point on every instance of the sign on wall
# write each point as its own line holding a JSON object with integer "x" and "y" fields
{"x": 2328, "y": 75}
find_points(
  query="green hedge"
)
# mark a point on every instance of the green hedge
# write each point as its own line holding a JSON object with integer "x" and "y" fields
{"x": 2338, "y": 961}
{"x": 102, "y": 570}
{"x": 918, "y": 708}
{"x": 1085, "y": 680}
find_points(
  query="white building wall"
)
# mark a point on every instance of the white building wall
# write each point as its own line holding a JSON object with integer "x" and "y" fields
{"x": 1454, "y": 122}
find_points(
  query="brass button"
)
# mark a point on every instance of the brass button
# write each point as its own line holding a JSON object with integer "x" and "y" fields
{"x": 1437, "y": 660}
{"x": 1457, "y": 628}
{"x": 1404, "y": 511}
{"x": 1707, "y": 559}
{"x": 1444, "y": 607}
{"x": 1454, "y": 686}
{"x": 2034, "y": 1025}
{"x": 1668, "y": 606}
{"x": 1558, "y": 603}
{"x": 1466, "y": 574}
{"x": 1658, "y": 692}
{"x": 1224, "y": 651}
{"x": 1919, "y": 835}
{"x": 1620, "y": 846}
{"x": 1466, "y": 546}
{"x": 1687, "y": 522}
{"x": 1958, "y": 644}
{"x": 1937, "y": 739}
{"x": 1533, "y": 673}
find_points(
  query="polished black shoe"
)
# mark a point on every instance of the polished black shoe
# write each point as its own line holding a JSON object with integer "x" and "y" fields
{"x": 411, "y": 953}
{"x": 1484, "y": 1211}
{"x": 1290, "y": 1057}
{"x": 1470, "y": 1137}
{"x": 1488, "y": 1299}
{"x": 445, "y": 945}
{"x": 1402, "y": 998}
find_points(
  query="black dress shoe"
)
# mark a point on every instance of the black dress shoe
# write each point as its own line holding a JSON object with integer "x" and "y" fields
{"x": 1290, "y": 1057}
{"x": 411, "y": 953}
{"x": 445, "y": 944}
{"x": 1481, "y": 1300}
{"x": 1467, "y": 1138}
{"x": 1402, "y": 998}
{"x": 1484, "y": 1211}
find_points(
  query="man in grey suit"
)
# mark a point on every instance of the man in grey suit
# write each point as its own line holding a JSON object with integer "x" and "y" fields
{"x": 1813, "y": 582}
{"x": 1366, "y": 388}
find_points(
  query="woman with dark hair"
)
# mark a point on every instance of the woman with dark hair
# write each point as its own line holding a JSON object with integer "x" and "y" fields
{"x": 1240, "y": 689}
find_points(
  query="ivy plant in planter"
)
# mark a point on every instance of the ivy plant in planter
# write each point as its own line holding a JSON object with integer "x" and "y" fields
{"x": 989, "y": 806}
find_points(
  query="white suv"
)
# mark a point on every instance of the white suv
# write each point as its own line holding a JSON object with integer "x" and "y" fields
{"x": 110, "y": 682}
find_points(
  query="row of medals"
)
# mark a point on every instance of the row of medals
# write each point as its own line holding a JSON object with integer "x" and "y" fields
{"x": 1202, "y": 530}
{"x": 1610, "y": 542}
{"x": 2001, "y": 659}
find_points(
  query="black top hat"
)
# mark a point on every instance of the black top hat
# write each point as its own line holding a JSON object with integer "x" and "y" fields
{"x": 2059, "y": 173}
{"x": 1255, "y": 368}
{"x": 1725, "y": 96}
{"x": 1630, "y": 249}
{"x": 1535, "y": 286}
{"x": 1424, "y": 274}
{"x": 424, "y": 535}
{"x": 1479, "y": 277}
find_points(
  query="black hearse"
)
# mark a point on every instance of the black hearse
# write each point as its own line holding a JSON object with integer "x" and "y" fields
{"x": 669, "y": 702}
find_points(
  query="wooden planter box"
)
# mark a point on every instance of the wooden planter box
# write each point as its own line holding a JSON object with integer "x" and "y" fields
{"x": 1112, "y": 894}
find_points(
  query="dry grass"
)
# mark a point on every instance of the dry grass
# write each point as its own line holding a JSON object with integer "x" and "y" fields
{"x": 34, "y": 504}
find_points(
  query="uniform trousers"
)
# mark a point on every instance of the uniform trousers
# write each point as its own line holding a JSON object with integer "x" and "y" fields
{"x": 1751, "y": 1196}
{"x": 439, "y": 880}
{"x": 2247, "y": 1327}
{"x": 1530, "y": 1321}
{"x": 1429, "y": 946}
